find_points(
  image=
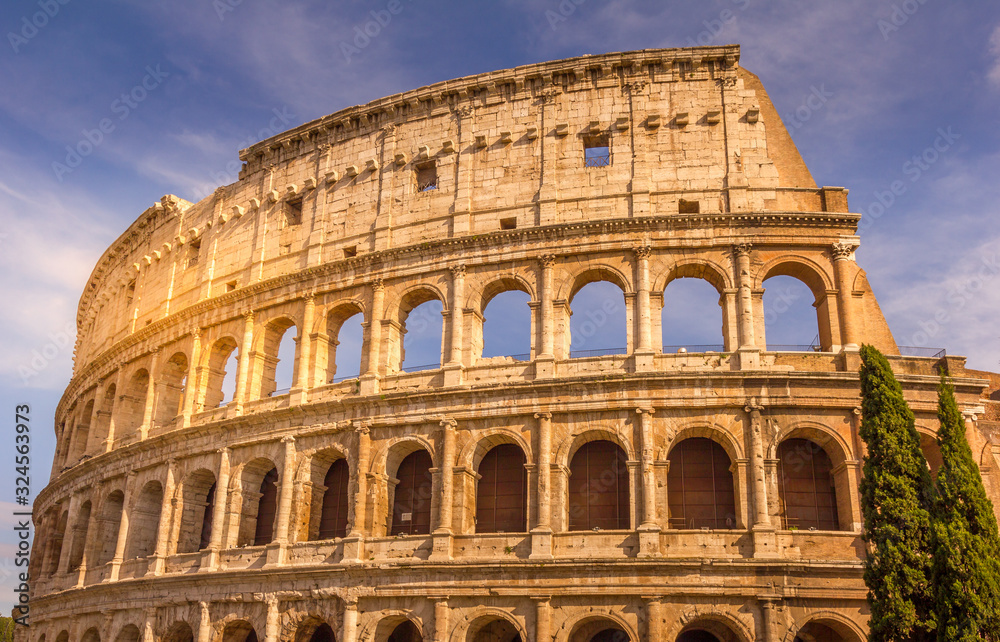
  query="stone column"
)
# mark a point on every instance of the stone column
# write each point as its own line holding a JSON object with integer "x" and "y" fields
{"x": 644, "y": 347}
{"x": 350, "y": 620}
{"x": 158, "y": 563}
{"x": 767, "y": 619}
{"x": 149, "y": 619}
{"x": 302, "y": 379}
{"x": 442, "y": 534}
{"x": 849, "y": 314}
{"x": 81, "y": 576}
{"x": 654, "y": 619}
{"x": 272, "y": 622}
{"x": 285, "y": 497}
{"x": 116, "y": 561}
{"x": 370, "y": 378}
{"x": 357, "y": 510}
{"x": 649, "y": 529}
{"x": 192, "y": 387}
{"x": 543, "y": 619}
{"x": 765, "y": 544}
{"x": 147, "y": 412}
{"x": 204, "y": 623}
{"x": 456, "y": 321}
{"x": 744, "y": 295}
{"x": 441, "y": 613}
{"x": 541, "y": 534}
{"x": 73, "y": 514}
{"x": 243, "y": 369}
{"x": 210, "y": 560}
{"x": 544, "y": 366}
{"x": 110, "y": 438}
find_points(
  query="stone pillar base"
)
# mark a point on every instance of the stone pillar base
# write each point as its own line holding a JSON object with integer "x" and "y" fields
{"x": 545, "y": 367}
{"x": 276, "y": 554}
{"x": 370, "y": 384}
{"x": 209, "y": 560}
{"x": 849, "y": 358}
{"x": 156, "y": 566}
{"x": 441, "y": 548}
{"x": 541, "y": 544}
{"x": 644, "y": 361}
{"x": 748, "y": 358}
{"x": 453, "y": 374}
{"x": 649, "y": 541}
{"x": 765, "y": 543}
{"x": 297, "y": 396}
{"x": 354, "y": 549}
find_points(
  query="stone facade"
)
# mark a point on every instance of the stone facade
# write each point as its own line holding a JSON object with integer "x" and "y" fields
{"x": 296, "y": 514}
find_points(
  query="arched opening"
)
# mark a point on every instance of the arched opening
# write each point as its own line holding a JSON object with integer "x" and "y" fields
{"x": 932, "y": 453}
{"x": 806, "y": 486}
{"x": 63, "y": 636}
{"x": 78, "y": 447}
{"x": 700, "y": 486}
{"x": 494, "y": 630}
{"x": 91, "y": 635}
{"x": 502, "y": 491}
{"x": 821, "y": 632}
{"x": 790, "y": 316}
{"x": 198, "y": 498}
{"x": 170, "y": 389}
{"x": 405, "y": 631}
{"x": 133, "y": 404}
{"x": 102, "y": 421}
{"x": 79, "y": 539}
{"x": 313, "y": 629}
{"x": 707, "y": 630}
{"x": 223, "y": 363}
{"x": 144, "y": 521}
{"x": 109, "y": 523}
{"x": 599, "y": 629}
{"x": 56, "y": 538}
{"x": 691, "y": 318}
{"x": 279, "y": 357}
{"x": 507, "y": 326}
{"x": 333, "y": 515}
{"x": 267, "y": 509}
{"x": 130, "y": 633}
{"x": 411, "y": 502}
{"x": 597, "y": 325}
{"x": 239, "y": 631}
{"x": 422, "y": 332}
{"x": 697, "y": 635}
{"x": 345, "y": 337}
{"x": 599, "y": 488}
{"x": 178, "y": 632}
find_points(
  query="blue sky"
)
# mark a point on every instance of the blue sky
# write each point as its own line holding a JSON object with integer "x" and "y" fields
{"x": 157, "y": 97}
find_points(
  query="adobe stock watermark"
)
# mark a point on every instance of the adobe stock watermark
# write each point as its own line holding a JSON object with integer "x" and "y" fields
{"x": 122, "y": 107}
{"x": 914, "y": 168}
{"x": 815, "y": 100}
{"x": 715, "y": 26}
{"x": 957, "y": 298}
{"x": 563, "y": 11}
{"x": 596, "y": 319}
{"x": 42, "y": 357}
{"x": 222, "y": 7}
{"x": 367, "y": 31}
{"x": 899, "y": 16}
{"x": 31, "y": 26}
{"x": 281, "y": 121}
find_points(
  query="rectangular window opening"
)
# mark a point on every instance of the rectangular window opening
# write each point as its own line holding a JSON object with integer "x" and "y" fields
{"x": 508, "y": 223}
{"x": 350, "y": 252}
{"x": 130, "y": 292}
{"x": 596, "y": 151}
{"x": 688, "y": 207}
{"x": 427, "y": 178}
{"x": 194, "y": 249}
{"x": 293, "y": 212}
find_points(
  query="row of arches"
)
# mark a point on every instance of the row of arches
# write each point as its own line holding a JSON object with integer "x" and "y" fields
{"x": 497, "y": 626}
{"x": 599, "y": 493}
{"x": 594, "y": 309}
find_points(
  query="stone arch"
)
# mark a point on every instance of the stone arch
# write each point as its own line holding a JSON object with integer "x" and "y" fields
{"x": 59, "y": 518}
{"x": 599, "y": 488}
{"x": 475, "y": 449}
{"x": 419, "y": 500}
{"x": 393, "y": 451}
{"x": 825, "y": 437}
{"x": 102, "y": 420}
{"x": 569, "y": 446}
{"x": 483, "y": 617}
{"x": 237, "y": 630}
{"x": 312, "y": 628}
{"x": 834, "y": 449}
{"x": 63, "y": 636}
{"x": 316, "y": 508}
{"x": 715, "y": 432}
{"x": 585, "y": 627}
{"x": 266, "y": 354}
{"x": 479, "y": 300}
{"x": 179, "y": 631}
{"x": 245, "y": 489}
{"x": 214, "y": 361}
{"x": 724, "y": 626}
{"x": 108, "y": 524}
{"x": 144, "y": 520}
{"x": 197, "y": 494}
{"x": 80, "y": 536}
{"x": 930, "y": 448}
{"x": 81, "y": 433}
{"x": 400, "y": 305}
{"x": 817, "y": 279}
{"x": 842, "y": 625}
{"x": 399, "y": 312}
{"x": 702, "y": 484}
{"x": 91, "y": 635}
{"x": 576, "y": 277}
{"x": 381, "y": 629}
{"x": 132, "y": 408}
{"x": 130, "y": 633}
{"x": 171, "y": 385}
{"x": 327, "y": 330}
{"x": 694, "y": 268}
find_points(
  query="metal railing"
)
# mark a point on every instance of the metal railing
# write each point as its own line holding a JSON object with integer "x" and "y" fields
{"x": 515, "y": 357}
{"x": 426, "y": 366}
{"x": 794, "y": 348}
{"x": 602, "y": 352}
{"x": 278, "y": 393}
{"x": 707, "y": 347}
{"x": 345, "y": 378}
{"x": 597, "y": 160}
{"x": 918, "y": 351}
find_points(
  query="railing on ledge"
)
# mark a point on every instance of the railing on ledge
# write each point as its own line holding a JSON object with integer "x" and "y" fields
{"x": 918, "y": 351}
{"x": 794, "y": 348}
{"x": 427, "y": 366}
{"x": 601, "y": 352}
{"x": 707, "y": 347}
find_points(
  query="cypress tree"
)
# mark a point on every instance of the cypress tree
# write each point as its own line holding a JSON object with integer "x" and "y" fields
{"x": 895, "y": 502}
{"x": 966, "y": 571}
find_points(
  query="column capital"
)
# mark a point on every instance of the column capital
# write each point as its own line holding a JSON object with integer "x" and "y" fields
{"x": 378, "y": 285}
{"x": 447, "y": 422}
{"x": 752, "y": 405}
{"x": 843, "y": 250}
{"x": 648, "y": 411}
{"x": 543, "y": 415}
{"x": 742, "y": 249}
{"x": 223, "y": 451}
{"x": 457, "y": 270}
{"x": 547, "y": 260}
{"x": 642, "y": 252}
{"x": 248, "y": 316}
{"x": 362, "y": 427}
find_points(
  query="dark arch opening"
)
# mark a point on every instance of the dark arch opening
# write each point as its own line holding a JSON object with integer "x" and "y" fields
{"x": 697, "y": 635}
{"x": 267, "y": 507}
{"x": 502, "y": 492}
{"x": 239, "y": 631}
{"x": 816, "y": 632}
{"x": 599, "y": 488}
{"x": 411, "y": 504}
{"x": 700, "y": 486}
{"x": 323, "y": 633}
{"x": 806, "y": 486}
{"x": 498, "y": 630}
{"x": 333, "y": 517}
{"x": 405, "y": 632}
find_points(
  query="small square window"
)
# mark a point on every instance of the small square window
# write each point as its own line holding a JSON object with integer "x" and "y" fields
{"x": 350, "y": 252}
{"x": 596, "y": 151}
{"x": 688, "y": 207}
{"x": 427, "y": 177}
{"x": 230, "y": 286}
{"x": 508, "y": 223}
{"x": 293, "y": 213}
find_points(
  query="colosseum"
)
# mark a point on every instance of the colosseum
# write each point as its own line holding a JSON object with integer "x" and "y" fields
{"x": 693, "y": 493}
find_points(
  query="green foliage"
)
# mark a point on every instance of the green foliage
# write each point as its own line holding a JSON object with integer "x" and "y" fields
{"x": 895, "y": 502}
{"x": 6, "y": 629}
{"x": 966, "y": 568}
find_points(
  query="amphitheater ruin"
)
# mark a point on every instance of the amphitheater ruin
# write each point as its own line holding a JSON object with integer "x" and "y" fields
{"x": 692, "y": 493}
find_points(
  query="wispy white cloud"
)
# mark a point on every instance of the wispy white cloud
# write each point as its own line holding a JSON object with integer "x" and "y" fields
{"x": 994, "y": 48}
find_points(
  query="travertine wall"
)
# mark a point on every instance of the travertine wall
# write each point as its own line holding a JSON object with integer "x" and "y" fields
{"x": 326, "y": 222}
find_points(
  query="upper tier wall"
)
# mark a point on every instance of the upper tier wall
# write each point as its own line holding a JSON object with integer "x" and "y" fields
{"x": 507, "y": 149}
